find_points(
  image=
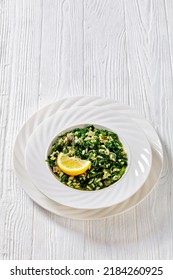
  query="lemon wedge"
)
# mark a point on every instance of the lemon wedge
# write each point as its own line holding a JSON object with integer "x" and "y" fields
{"x": 72, "y": 165}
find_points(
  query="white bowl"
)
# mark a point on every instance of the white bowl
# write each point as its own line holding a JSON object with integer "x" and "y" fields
{"x": 132, "y": 137}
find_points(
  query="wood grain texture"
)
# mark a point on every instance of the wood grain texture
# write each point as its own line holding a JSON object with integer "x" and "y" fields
{"x": 115, "y": 48}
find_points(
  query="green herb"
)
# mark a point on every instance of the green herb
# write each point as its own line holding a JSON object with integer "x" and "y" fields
{"x": 102, "y": 147}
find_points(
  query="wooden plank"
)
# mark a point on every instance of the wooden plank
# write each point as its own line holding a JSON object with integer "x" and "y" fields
{"x": 105, "y": 56}
{"x": 61, "y": 69}
{"x": 150, "y": 85}
{"x": 20, "y": 40}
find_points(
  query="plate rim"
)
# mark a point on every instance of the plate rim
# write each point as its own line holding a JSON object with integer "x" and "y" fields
{"x": 57, "y": 209}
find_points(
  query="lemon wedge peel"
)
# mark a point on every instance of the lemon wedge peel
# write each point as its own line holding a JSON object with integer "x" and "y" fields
{"x": 72, "y": 166}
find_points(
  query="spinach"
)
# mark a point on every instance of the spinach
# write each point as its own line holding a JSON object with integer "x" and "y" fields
{"x": 102, "y": 147}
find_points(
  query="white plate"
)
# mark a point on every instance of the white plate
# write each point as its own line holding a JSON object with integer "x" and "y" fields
{"x": 133, "y": 138}
{"x": 65, "y": 103}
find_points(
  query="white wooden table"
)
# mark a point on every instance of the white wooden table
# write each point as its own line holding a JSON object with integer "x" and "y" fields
{"x": 116, "y": 48}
